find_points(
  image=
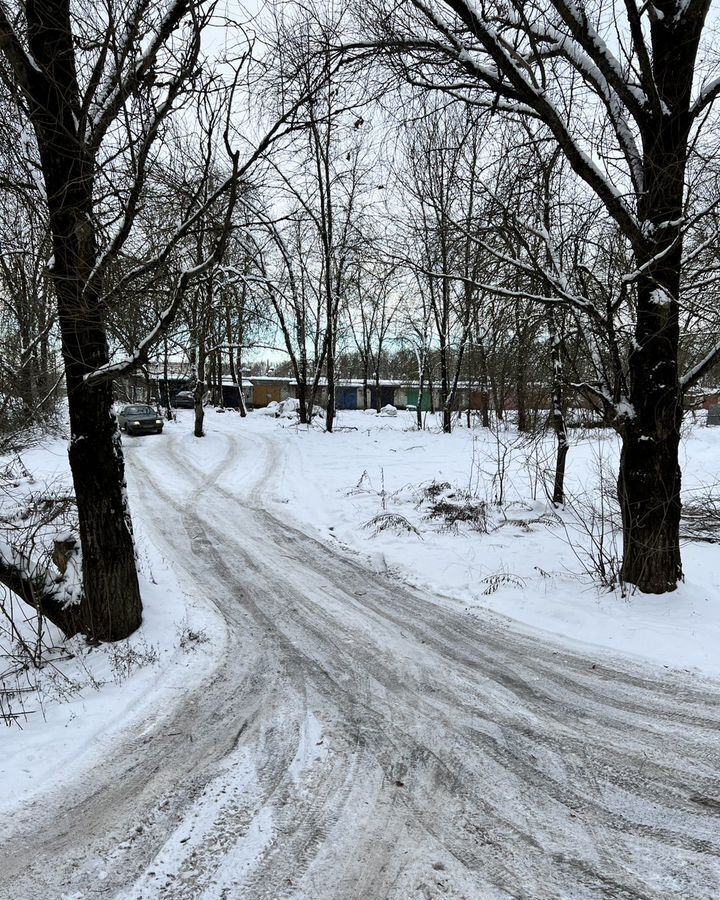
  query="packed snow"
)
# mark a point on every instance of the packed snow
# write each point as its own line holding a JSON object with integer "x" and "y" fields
{"x": 71, "y": 709}
{"x": 290, "y": 701}
{"x": 527, "y": 561}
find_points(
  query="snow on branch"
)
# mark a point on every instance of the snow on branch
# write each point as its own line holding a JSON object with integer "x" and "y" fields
{"x": 707, "y": 96}
{"x": 592, "y": 57}
{"x": 620, "y": 410}
{"x": 120, "y": 87}
{"x": 33, "y": 586}
{"x": 582, "y": 304}
{"x": 509, "y": 77}
{"x": 692, "y": 376}
{"x": 456, "y": 90}
{"x": 555, "y": 280}
{"x": 593, "y": 390}
{"x": 167, "y": 316}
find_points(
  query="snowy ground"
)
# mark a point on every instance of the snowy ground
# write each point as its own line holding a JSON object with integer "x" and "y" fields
{"x": 529, "y": 566}
{"x": 342, "y": 734}
{"x": 76, "y": 705}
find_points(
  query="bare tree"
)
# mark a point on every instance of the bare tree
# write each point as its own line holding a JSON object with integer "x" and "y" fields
{"x": 327, "y": 176}
{"x": 442, "y": 180}
{"x": 633, "y": 68}
{"x": 28, "y": 362}
{"x": 87, "y": 85}
{"x": 374, "y": 295}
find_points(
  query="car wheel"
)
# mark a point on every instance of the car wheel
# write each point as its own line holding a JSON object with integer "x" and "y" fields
{"x": 129, "y": 431}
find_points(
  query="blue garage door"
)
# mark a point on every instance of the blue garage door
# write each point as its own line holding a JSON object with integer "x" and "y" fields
{"x": 346, "y": 398}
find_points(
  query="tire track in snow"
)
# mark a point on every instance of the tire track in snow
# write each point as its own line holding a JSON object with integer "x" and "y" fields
{"x": 459, "y": 758}
{"x": 542, "y": 697}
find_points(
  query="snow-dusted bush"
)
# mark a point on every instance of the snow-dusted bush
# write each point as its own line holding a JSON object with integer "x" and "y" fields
{"x": 38, "y": 539}
{"x": 388, "y": 521}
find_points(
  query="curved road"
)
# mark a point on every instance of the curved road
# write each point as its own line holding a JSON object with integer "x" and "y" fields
{"x": 358, "y": 739}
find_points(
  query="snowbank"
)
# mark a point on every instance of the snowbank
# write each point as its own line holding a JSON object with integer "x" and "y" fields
{"x": 529, "y": 562}
{"x": 84, "y": 695}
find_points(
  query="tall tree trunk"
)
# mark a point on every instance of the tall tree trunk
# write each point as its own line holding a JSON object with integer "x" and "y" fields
{"x": 166, "y": 385}
{"x": 649, "y": 493}
{"x": 243, "y": 405}
{"x": 330, "y": 369}
{"x": 649, "y": 477}
{"x": 365, "y": 387}
{"x": 558, "y": 410}
{"x": 231, "y": 356}
{"x": 445, "y": 389}
{"x": 484, "y": 389}
{"x": 302, "y": 401}
{"x": 111, "y": 607}
{"x": 199, "y": 392}
{"x": 46, "y": 375}
{"x": 231, "y": 364}
{"x": 211, "y": 380}
{"x": 219, "y": 376}
{"x": 422, "y": 362}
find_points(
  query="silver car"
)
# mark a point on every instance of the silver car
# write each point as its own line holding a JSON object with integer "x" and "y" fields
{"x": 138, "y": 418}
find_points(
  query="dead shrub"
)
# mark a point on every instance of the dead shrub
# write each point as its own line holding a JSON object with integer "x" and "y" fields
{"x": 387, "y": 521}
{"x": 499, "y": 579}
{"x": 435, "y": 488}
{"x": 453, "y": 512}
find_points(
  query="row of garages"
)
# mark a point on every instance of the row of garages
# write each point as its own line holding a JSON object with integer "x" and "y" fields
{"x": 260, "y": 391}
{"x": 349, "y": 394}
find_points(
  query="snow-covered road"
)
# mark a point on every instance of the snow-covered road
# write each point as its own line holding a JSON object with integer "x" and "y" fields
{"x": 355, "y": 738}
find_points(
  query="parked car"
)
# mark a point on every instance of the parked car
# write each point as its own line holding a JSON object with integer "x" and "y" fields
{"x": 138, "y": 418}
{"x": 184, "y": 400}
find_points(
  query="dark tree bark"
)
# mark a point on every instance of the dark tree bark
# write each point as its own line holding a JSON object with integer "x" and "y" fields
{"x": 649, "y": 477}
{"x": 166, "y": 386}
{"x": 302, "y": 401}
{"x": 330, "y": 369}
{"x": 119, "y": 113}
{"x": 520, "y": 372}
{"x": 557, "y": 400}
{"x": 421, "y": 391}
{"x": 199, "y": 392}
{"x": 111, "y": 607}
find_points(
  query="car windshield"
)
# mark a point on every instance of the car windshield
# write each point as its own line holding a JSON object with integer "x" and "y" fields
{"x": 138, "y": 411}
